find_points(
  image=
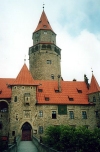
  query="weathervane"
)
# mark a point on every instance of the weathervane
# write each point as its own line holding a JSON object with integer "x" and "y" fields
{"x": 25, "y": 59}
{"x": 92, "y": 70}
{"x": 43, "y": 6}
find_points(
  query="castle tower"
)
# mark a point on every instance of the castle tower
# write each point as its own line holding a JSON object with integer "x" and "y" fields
{"x": 44, "y": 55}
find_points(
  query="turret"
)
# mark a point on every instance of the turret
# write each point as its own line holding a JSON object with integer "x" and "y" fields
{"x": 44, "y": 55}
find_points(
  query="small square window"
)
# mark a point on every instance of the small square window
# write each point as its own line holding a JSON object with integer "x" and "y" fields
{"x": 53, "y": 114}
{"x": 48, "y": 61}
{"x": 84, "y": 115}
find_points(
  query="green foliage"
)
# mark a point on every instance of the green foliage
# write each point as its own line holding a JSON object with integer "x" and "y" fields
{"x": 79, "y": 139}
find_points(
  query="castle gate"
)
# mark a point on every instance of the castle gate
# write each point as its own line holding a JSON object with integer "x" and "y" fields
{"x": 26, "y": 131}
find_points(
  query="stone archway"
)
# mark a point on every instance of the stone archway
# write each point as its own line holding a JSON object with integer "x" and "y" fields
{"x": 26, "y": 131}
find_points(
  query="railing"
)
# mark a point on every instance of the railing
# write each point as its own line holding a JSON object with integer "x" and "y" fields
{"x": 41, "y": 147}
{"x": 13, "y": 147}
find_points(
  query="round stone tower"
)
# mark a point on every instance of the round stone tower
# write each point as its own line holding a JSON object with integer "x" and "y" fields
{"x": 44, "y": 55}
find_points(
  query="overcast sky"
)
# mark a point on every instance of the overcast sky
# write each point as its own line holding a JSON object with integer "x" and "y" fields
{"x": 76, "y": 23}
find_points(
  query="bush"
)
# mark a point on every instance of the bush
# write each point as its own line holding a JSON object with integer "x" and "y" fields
{"x": 79, "y": 139}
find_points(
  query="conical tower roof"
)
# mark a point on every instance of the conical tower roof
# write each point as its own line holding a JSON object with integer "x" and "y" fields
{"x": 94, "y": 86}
{"x": 24, "y": 77}
{"x": 43, "y": 23}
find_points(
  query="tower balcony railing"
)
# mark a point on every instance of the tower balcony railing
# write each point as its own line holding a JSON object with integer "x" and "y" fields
{"x": 47, "y": 47}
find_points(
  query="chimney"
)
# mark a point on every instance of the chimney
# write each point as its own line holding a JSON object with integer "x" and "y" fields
{"x": 59, "y": 83}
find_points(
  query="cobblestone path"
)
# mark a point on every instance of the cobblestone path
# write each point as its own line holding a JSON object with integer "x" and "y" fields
{"x": 26, "y": 146}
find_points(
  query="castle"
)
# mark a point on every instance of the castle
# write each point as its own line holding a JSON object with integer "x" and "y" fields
{"x": 39, "y": 97}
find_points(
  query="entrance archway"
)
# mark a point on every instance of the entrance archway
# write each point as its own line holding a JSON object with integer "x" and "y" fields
{"x": 26, "y": 131}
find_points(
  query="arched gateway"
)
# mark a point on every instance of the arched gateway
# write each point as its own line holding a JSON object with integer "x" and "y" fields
{"x": 26, "y": 131}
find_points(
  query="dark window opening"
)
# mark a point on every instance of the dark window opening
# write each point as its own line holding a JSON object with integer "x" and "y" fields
{"x": 15, "y": 99}
{"x": 1, "y": 126}
{"x": 13, "y": 133}
{"x": 53, "y": 114}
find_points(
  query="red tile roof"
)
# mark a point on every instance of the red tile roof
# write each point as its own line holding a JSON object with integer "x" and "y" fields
{"x": 69, "y": 89}
{"x": 5, "y": 91}
{"x": 24, "y": 77}
{"x": 94, "y": 86}
{"x": 43, "y": 23}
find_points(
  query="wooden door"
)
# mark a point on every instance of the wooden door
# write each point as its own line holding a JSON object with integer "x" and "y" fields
{"x": 26, "y": 135}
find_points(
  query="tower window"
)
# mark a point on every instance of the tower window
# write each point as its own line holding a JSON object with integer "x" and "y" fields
{"x": 45, "y": 32}
{"x": 48, "y": 61}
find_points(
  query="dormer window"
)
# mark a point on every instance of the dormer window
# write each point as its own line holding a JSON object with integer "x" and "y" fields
{"x": 46, "y": 98}
{"x": 40, "y": 90}
{"x": 44, "y": 26}
{"x": 27, "y": 98}
{"x": 70, "y": 98}
{"x": 79, "y": 91}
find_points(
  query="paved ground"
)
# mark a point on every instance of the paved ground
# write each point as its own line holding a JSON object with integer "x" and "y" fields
{"x": 26, "y": 146}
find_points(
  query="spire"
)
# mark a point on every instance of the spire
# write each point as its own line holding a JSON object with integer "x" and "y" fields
{"x": 43, "y": 22}
{"x": 94, "y": 86}
{"x": 24, "y": 77}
